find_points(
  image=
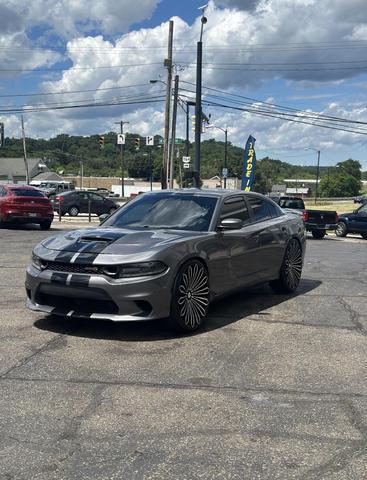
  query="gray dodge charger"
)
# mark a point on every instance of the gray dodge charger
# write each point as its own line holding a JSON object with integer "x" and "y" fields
{"x": 168, "y": 254}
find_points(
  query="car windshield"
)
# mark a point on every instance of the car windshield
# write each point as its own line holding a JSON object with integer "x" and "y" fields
{"x": 20, "y": 192}
{"x": 173, "y": 211}
{"x": 291, "y": 203}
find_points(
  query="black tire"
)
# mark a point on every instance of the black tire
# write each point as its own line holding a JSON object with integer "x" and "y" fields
{"x": 190, "y": 297}
{"x": 291, "y": 269}
{"x": 73, "y": 211}
{"x": 45, "y": 225}
{"x": 341, "y": 229}
{"x": 318, "y": 234}
{"x": 364, "y": 235}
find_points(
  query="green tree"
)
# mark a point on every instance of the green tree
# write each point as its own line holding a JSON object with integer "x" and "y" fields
{"x": 351, "y": 167}
{"x": 339, "y": 185}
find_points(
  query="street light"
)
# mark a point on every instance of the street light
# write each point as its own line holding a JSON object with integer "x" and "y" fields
{"x": 122, "y": 123}
{"x": 317, "y": 170}
{"x": 165, "y": 161}
{"x": 198, "y": 112}
{"x": 225, "y": 131}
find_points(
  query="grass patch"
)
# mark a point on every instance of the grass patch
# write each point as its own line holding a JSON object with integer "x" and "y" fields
{"x": 340, "y": 207}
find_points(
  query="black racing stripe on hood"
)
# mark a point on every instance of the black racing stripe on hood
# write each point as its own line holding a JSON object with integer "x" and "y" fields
{"x": 64, "y": 257}
{"x": 85, "y": 258}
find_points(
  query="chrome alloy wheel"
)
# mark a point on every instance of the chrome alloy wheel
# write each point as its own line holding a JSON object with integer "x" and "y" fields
{"x": 192, "y": 296}
{"x": 292, "y": 268}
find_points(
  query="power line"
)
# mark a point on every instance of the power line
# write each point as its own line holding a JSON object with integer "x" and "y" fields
{"x": 251, "y": 101}
{"x": 68, "y": 92}
{"x": 282, "y": 117}
{"x": 73, "y": 102}
{"x": 78, "y": 68}
{"x": 157, "y": 99}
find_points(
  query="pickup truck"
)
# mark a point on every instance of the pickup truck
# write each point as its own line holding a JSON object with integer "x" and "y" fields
{"x": 354, "y": 222}
{"x": 316, "y": 221}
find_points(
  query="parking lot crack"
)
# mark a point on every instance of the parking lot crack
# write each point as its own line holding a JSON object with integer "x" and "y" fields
{"x": 52, "y": 344}
{"x": 73, "y": 427}
{"x": 353, "y": 315}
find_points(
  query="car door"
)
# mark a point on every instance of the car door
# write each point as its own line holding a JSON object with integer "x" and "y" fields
{"x": 236, "y": 263}
{"x": 97, "y": 203}
{"x": 83, "y": 201}
{"x": 273, "y": 235}
{"x": 358, "y": 221}
{"x": 3, "y": 193}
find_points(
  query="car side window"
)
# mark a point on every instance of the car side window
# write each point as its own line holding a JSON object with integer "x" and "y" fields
{"x": 260, "y": 208}
{"x": 363, "y": 210}
{"x": 2, "y": 192}
{"x": 235, "y": 207}
{"x": 274, "y": 210}
{"x": 83, "y": 195}
{"x": 95, "y": 197}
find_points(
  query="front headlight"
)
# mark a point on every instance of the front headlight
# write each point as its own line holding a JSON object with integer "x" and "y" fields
{"x": 135, "y": 269}
{"x": 36, "y": 261}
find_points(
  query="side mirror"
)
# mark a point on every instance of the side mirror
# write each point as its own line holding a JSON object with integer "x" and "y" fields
{"x": 230, "y": 224}
{"x": 103, "y": 217}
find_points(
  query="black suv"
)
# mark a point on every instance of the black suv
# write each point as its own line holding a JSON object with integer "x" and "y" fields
{"x": 75, "y": 202}
{"x": 354, "y": 222}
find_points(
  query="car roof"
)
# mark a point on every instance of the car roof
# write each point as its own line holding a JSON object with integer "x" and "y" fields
{"x": 203, "y": 192}
{"x": 16, "y": 186}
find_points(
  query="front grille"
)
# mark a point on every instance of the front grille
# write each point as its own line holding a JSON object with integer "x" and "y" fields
{"x": 81, "y": 300}
{"x": 73, "y": 268}
{"x": 80, "y": 305}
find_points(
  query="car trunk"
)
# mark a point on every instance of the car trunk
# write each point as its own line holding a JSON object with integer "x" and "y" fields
{"x": 29, "y": 206}
{"x": 326, "y": 216}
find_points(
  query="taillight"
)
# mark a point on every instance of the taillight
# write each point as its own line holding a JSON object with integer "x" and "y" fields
{"x": 305, "y": 216}
{"x": 59, "y": 199}
{"x": 337, "y": 218}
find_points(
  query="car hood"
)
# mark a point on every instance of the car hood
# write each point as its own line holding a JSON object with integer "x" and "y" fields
{"x": 117, "y": 241}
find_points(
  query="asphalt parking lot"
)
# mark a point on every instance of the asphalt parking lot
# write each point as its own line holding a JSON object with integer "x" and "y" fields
{"x": 275, "y": 387}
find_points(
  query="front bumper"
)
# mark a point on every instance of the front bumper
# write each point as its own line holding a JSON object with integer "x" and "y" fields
{"x": 97, "y": 296}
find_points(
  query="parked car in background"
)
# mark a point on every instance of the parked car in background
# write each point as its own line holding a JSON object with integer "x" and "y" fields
{"x": 316, "y": 221}
{"x": 80, "y": 201}
{"x": 24, "y": 204}
{"x": 354, "y": 222}
{"x": 360, "y": 199}
{"x": 103, "y": 191}
{"x": 52, "y": 188}
{"x": 168, "y": 254}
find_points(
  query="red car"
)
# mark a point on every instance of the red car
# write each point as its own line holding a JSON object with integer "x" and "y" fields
{"x": 24, "y": 204}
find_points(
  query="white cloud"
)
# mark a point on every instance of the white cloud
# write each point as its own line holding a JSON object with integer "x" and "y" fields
{"x": 69, "y": 17}
{"x": 277, "y": 32}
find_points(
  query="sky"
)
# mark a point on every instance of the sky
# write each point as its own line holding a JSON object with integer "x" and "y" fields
{"x": 265, "y": 62}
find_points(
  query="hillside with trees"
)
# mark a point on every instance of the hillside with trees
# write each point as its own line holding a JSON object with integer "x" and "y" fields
{"x": 64, "y": 154}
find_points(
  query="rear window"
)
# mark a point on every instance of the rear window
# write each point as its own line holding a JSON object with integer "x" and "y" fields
{"x": 291, "y": 203}
{"x": 20, "y": 192}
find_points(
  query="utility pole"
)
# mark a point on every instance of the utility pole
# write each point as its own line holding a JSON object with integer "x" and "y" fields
{"x": 150, "y": 169}
{"x": 317, "y": 175}
{"x": 198, "y": 110}
{"x": 168, "y": 65}
{"x": 121, "y": 123}
{"x": 25, "y": 154}
{"x": 225, "y": 155}
{"x": 173, "y": 133}
{"x": 81, "y": 174}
